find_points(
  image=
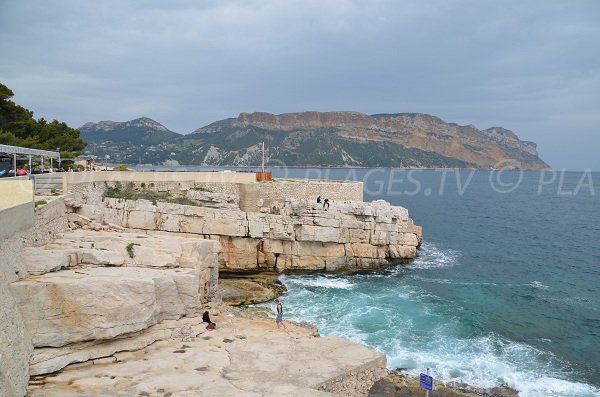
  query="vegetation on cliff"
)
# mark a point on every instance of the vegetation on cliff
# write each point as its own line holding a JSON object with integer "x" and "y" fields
{"x": 327, "y": 139}
{"x": 19, "y": 128}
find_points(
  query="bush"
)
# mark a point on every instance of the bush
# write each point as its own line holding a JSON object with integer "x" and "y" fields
{"x": 129, "y": 193}
{"x": 129, "y": 249}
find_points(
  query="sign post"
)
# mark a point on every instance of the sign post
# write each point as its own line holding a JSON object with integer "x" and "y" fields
{"x": 426, "y": 382}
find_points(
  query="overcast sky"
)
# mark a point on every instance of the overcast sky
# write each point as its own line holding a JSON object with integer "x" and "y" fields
{"x": 529, "y": 66}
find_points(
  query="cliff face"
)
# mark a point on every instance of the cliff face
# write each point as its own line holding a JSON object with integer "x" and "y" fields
{"x": 356, "y": 139}
{"x": 298, "y": 236}
{"x": 343, "y": 139}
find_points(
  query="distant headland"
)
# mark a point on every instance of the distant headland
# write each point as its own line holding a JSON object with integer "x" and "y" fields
{"x": 322, "y": 139}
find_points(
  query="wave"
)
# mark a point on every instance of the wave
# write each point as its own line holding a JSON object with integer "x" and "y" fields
{"x": 318, "y": 281}
{"x": 431, "y": 257}
{"x": 490, "y": 361}
{"x": 538, "y": 285}
{"x": 415, "y": 328}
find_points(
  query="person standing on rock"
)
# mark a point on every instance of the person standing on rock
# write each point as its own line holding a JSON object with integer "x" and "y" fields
{"x": 279, "y": 318}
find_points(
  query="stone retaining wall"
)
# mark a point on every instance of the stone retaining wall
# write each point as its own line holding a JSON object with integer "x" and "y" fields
{"x": 76, "y": 178}
{"x": 336, "y": 191}
{"x": 15, "y": 343}
{"x": 49, "y": 221}
{"x": 253, "y": 195}
{"x": 358, "y": 381}
{"x": 21, "y": 226}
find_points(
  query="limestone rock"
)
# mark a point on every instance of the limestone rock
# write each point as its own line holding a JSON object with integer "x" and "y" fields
{"x": 51, "y": 359}
{"x": 357, "y": 235}
{"x": 239, "y": 358}
{"x": 101, "y": 303}
{"x": 214, "y": 200}
{"x": 40, "y": 261}
{"x": 250, "y": 288}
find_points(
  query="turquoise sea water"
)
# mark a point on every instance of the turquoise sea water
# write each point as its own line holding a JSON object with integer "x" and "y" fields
{"x": 505, "y": 290}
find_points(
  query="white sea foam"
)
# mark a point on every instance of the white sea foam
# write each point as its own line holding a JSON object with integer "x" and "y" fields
{"x": 490, "y": 361}
{"x": 483, "y": 362}
{"x": 552, "y": 387}
{"x": 433, "y": 257}
{"x": 538, "y": 285}
{"x": 405, "y": 315}
{"x": 319, "y": 281}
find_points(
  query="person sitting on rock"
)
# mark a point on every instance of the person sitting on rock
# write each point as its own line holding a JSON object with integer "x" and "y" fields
{"x": 209, "y": 324}
{"x": 318, "y": 199}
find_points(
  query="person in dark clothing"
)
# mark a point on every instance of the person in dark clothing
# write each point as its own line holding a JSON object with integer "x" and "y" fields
{"x": 209, "y": 324}
{"x": 318, "y": 199}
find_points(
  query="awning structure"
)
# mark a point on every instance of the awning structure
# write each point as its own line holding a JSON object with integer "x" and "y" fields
{"x": 13, "y": 151}
{"x": 28, "y": 151}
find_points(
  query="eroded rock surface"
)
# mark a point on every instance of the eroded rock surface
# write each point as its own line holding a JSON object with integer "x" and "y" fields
{"x": 242, "y": 357}
{"x": 244, "y": 289}
{"x": 298, "y": 235}
{"x": 89, "y": 294}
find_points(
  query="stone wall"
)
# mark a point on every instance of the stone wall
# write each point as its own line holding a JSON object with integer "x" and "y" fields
{"x": 49, "y": 220}
{"x": 253, "y": 196}
{"x": 263, "y": 195}
{"x": 282, "y": 190}
{"x": 358, "y": 381}
{"x": 75, "y": 178}
{"x": 16, "y": 219}
{"x": 15, "y": 343}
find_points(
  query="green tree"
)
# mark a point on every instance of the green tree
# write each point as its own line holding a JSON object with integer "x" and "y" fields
{"x": 19, "y": 128}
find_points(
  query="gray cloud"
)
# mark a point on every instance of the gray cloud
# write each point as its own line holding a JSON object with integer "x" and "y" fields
{"x": 533, "y": 67}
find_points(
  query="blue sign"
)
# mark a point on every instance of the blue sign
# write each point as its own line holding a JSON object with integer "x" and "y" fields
{"x": 426, "y": 382}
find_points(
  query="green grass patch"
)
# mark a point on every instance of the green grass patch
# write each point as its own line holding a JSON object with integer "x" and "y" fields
{"x": 129, "y": 193}
{"x": 130, "y": 249}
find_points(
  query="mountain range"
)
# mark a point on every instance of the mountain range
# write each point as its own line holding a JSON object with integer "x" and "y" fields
{"x": 327, "y": 139}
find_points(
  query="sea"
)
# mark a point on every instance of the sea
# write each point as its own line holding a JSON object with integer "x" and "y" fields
{"x": 504, "y": 290}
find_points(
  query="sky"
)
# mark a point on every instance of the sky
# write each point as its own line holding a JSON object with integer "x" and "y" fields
{"x": 530, "y": 66}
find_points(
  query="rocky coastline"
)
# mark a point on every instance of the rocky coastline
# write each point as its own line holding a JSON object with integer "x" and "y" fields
{"x": 108, "y": 292}
{"x": 108, "y": 281}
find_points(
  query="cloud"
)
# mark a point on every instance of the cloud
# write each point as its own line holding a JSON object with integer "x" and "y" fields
{"x": 528, "y": 66}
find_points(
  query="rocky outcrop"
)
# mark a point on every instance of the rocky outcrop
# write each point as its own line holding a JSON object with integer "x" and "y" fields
{"x": 299, "y": 235}
{"x": 249, "y": 288}
{"x": 101, "y": 303}
{"x": 213, "y": 200}
{"x": 242, "y": 357}
{"x": 89, "y": 294}
{"x": 122, "y": 276}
